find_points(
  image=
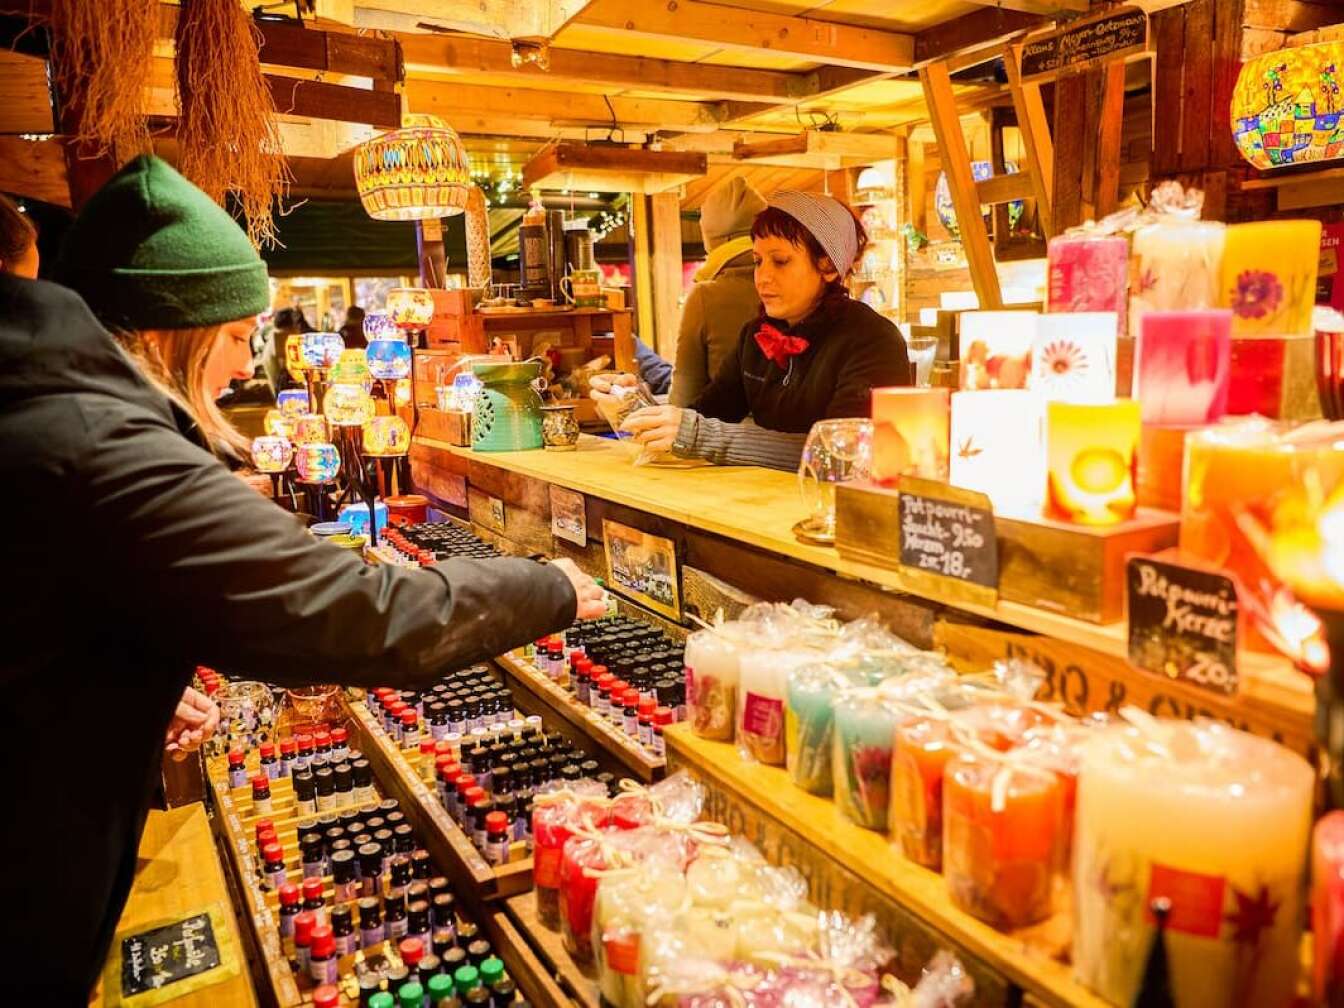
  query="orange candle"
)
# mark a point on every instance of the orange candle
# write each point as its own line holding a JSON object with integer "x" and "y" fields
{"x": 919, "y": 756}
{"x": 1091, "y": 448}
{"x": 1002, "y": 827}
{"x": 910, "y": 433}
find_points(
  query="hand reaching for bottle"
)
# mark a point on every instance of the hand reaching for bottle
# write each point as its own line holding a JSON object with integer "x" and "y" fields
{"x": 592, "y": 603}
{"x": 194, "y": 721}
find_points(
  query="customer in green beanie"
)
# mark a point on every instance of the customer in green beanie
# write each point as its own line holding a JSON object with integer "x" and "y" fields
{"x": 134, "y": 556}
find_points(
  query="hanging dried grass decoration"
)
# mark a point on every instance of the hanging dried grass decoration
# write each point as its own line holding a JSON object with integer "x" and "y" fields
{"x": 228, "y": 140}
{"x": 103, "y": 53}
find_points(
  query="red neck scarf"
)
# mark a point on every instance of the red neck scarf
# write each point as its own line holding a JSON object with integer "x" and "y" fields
{"x": 778, "y": 346}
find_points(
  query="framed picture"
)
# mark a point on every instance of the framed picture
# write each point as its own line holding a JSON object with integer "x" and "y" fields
{"x": 643, "y": 567}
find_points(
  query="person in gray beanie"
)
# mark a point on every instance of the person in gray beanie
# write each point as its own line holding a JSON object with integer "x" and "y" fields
{"x": 812, "y": 353}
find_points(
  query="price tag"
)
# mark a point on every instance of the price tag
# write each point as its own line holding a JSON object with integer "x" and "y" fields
{"x": 168, "y": 954}
{"x": 496, "y": 513}
{"x": 569, "y": 516}
{"x": 1114, "y": 35}
{"x": 948, "y": 533}
{"x": 1183, "y": 623}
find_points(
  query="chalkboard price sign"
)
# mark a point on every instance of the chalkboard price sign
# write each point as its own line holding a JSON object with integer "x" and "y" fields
{"x": 948, "y": 532}
{"x": 153, "y": 959}
{"x": 1183, "y": 623}
{"x": 1114, "y": 35}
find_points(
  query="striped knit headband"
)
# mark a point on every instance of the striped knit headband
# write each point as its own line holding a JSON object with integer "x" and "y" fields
{"x": 829, "y": 221}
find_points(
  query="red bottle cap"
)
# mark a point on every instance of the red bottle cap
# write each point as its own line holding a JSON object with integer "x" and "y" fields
{"x": 267, "y": 749}
{"x": 408, "y": 718}
{"x": 599, "y": 670}
{"x": 339, "y": 735}
{"x": 474, "y": 794}
{"x": 556, "y": 650}
{"x": 427, "y": 747}
{"x": 411, "y": 950}
{"x": 323, "y": 943}
{"x": 273, "y": 853}
{"x": 464, "y": 782}
{"x": 443, "y": 747}
{"x": 496, "y": 822}
{"x": 630, "y": 698}
{"x": 448, "y": 772}
{"x": 327, "y": 996}
{"x": 261, "y": 783}
{"x": 304, "y": 923}
{"x": 397, "y": 708}
{"x": 289, "y": 893}
{"x": 583, "y": 666}
{"x": 288, "y": 747}
{"x": 312, "y": 890}
{"x": 268, "y": 835}
{"x": 618, "y": 687}
{"x": 662, "y": 715}
{"x": 305, "y": 743}
{"x": 235, "y": 757}
{"x": 322, "y": 738}
{"x": 646, "y": 706}
{"x": 382, "y": 691}
{"x": 263, "y": 825}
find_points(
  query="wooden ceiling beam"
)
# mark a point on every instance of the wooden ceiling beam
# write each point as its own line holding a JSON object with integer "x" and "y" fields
{"x": 501, "y": 19}
{"x": 778, "y": 34}
{"x": 978, "y": 30}
{"x": 1046, "y": 7}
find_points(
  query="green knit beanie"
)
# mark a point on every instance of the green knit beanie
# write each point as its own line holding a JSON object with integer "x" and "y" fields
{"x": 151, "y": 251}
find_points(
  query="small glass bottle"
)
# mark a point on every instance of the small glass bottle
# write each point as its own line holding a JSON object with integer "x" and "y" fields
{"x": 394, "y": 917}
{"x": 371, "y": 930}
{"x": 273, "y": 857}
{"x": 417, "y": 923}
{"x": 270, "y": 766}
{"x": 399, "y": 875}
{"x": 288, "y": 894}
{"x": 305, "y": 751}
{"x": 422, "y": 865}
{"x": 344, "y": 779}
{"x": 410, "y": 730}
{"x": 343, "y": 929}
{"x": 364, "y": 791}
{"x": 492, "y": 971}
{"x": 503, "y": 993}
{"x": 288, "y": 755}
{"x": 411, "y": 995}
{"x": 466, "y": 977}
{"x": 237, "y": 769}
{"x": 411, "y": 950}
{"x": 428, "y": 968}
{"x": 478, "y": 952}
{"x": 340, "y": 748}
{"x": 326, "y": 788}
{"x": 305, "y": 793}
{"x": 313, "y": 900}
{"x": 441, "y": 991}
{"x": 304, "y": 924}
{"x": 371, "y": 869}
{"x": 344, "y": 881}
{"x": 327, "y": 996}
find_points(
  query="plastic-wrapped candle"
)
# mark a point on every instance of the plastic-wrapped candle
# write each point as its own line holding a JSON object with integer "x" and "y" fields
{"x": 865, "y": 722}
{"x": 712, "y": 672}
{"x": 317, "y": 463}
{"x": 808, "y": 722}
{"x": 760, "y": 724}
{"x": 293, "y": 403}
{"x": 921, "y": 752}
{"x": 626, "y": 905}
{"x": 1214, "y": 820}
{"x": 386, "y": 437}
{"x": 1073, "y": 358}
{"x": 272, "y": 454}
{"x": 389, "y": 358}
{"x": 1182, "y": 365}
{"x": 348, "y": 405}
{"x": 1089, "y": 273}
{"x": 320, "y": 350}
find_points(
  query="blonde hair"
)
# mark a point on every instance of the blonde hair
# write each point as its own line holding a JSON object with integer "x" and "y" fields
{"x": 174, "y": 360}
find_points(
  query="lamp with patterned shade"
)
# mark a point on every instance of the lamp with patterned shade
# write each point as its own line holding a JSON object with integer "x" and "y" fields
{"x": 1288, "y": 107}
{"x": 414, "y": 173}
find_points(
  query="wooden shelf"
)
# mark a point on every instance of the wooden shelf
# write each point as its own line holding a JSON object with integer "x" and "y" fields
{"x": 1029, "y": 958}
{"x": 579, "y": 983}
{"x": 443, "y": 838}
{"x": 614, "y": 742}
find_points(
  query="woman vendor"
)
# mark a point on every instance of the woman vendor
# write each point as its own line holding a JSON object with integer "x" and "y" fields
{"x": 814, "y": 353}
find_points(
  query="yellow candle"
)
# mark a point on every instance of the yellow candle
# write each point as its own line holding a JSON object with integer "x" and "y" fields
{"x": 1269, "y": 277}
{"x": 1214, "y": 820}
{"x": 910, "y": 433}
{"x": 1090, "y": 451}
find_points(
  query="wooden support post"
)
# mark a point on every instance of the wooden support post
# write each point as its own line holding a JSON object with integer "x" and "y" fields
{"x": 942, "y": 105}
{"x": 1071, "y": 140}
{"x": 429, "y": 245}
{"x": 999, "y": 211}
{"x": 1037, "y": 143}
{"x": 914, "y": 183}
{"x": 1108, "y": 149}
{"x": 666, "y": 221}
{"x": 1197, "y": 87}
{"x": 1168, "y": 33}
{"x": 642, "y": 267}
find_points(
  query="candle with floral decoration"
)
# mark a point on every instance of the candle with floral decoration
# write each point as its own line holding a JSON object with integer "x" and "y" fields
{"x": 1268, "y": 277}
{"x": 865, "y": 724}
{"x": 1091, "y": 450}
{"x": 712, "y": 663}
{"x": 1175, "y": 267}
{"x": 921, "y": 752}
{"x": 998, "y": 448}
{"x": 910, "y": 433}
{"x": 1212, "y": 819}
{"x": 1088, "y": 273}
{"x": 1073, "y": 358}
{"x": 1182, "y": 365}
{"x": 996, "y": 349}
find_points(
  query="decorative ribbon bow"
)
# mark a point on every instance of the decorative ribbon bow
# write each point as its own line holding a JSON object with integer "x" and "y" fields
{"x": 778, "y": 346}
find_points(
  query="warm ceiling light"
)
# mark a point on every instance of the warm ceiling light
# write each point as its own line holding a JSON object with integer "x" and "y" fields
{"x": 1287, "y": 106}
{"x": 416, "y": 172}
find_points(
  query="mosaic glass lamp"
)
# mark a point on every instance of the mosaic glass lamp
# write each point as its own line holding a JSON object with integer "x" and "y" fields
{"x": 417, "y": 172}
{"x": 1287, "y": 107}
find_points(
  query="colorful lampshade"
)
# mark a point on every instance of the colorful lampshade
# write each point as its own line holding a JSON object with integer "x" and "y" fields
{"x": 293, "y": 403}
{"x": 1176, "y": 266}
{"x": 389, "y": 358}
{"x": 320, "y": 350}
{"x": 317, "y": 463}
{"x": 947, "y": 212}
{"x": 1087, "y": 273}
{"x": 379, "y": 326}
{"x": 996, "y": 349}
{"x": 410, "y": 307}
{"x": 386, "y": 437}
{"x": 294, "y": 356}
{"x": 1182, "y": 364}
{"x": 351, "y": 368}
{"x": 910, "y": 433}
{"x": 276, "y": 424}
{"x": 312, "y": 428}
{"x": 1269, "y": 276}
{"x": 272, "y": 454}
{"x": 998, "y": 448}
{"x": 1287, "y": 108}
{"x": 348, "y": 405}
{"x": 1073, "y": 359}
{"x": 1090, "y": 450}
{"x": 414, "y": 173}
{"x": 401, "y": 394}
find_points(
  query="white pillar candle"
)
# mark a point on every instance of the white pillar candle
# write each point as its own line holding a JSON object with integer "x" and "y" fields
{"x": 1175, "y": 267}
{"x": 1073, "y": 357}
{"x": 995, "y": 349}
{"x": 711, "y": 683}
{"x": 1216, "y": 821}
{"x": 998, "y": 448}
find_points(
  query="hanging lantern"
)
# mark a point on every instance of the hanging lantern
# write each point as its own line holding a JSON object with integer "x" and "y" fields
{"x": 348, "y": 405}
{"x": 379, "y": 326}
{"x": 272, "y": 454}
{"x": 414, "y": 173}
{"x": 1287, "y": 107}
{"x": 310, "y": 429}
{"x": 386, "y": 437}
{"x": 317, "y": 463}
{"x": 293, "y": 403}
{"x": 389, "y": 358}
{"x": 351, "y": 368}
{"x": 320, "y": 350}
{"x": 410, "y": 307}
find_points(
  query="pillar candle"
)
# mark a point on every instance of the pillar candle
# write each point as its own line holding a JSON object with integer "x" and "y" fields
{"x": 808, "y": 727}
{"x": 578, "y": 891}
{"x": 1175, "y": 267}
{"x": 861, "y": 758}
{"x": 996, "y": 349}
{"x": 921, "y": 751}
{"x": 998, "y": 448}
{"x": 1269, "y": 277}
{"x": 1216, "y": 821}
{"x": 1073, "y": 358}
{"x": 712, "y": 673}
{"x": 760, "y": 726}
{"x": 910, "y": 433}
{"x": 1091, "y": 448}
{"x": 1327, "y": 909}
{"x": 1088, "y": 274}
{"x": 1182, "y": 365}
{"x": 1002, "y": 830}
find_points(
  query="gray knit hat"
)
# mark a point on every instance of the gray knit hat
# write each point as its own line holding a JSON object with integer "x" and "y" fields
{"x": 830, "y": 222}
{"x": 728, "y": 211}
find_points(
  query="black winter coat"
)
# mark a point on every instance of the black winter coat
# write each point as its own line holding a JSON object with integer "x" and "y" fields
{"x": 131, "y": 555}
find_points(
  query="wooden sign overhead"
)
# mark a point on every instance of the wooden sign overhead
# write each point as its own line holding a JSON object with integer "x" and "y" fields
{"x": 1116, "y": 34}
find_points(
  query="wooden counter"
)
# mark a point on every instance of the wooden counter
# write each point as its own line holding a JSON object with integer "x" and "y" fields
{"x": 177, "y": 875}
{"x": 758, "y": 508}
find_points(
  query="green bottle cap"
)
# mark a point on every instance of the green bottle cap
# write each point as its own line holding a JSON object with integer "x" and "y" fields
{"x": 440, "y": 988}
{"x": 492, "y": 970}
{"x": 411, "y": 995}
{"x": 382, "y": 1000}
{"x": 465, "y": 978}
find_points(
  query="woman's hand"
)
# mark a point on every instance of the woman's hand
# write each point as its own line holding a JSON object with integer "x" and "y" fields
{"x": 591, "y": 598}
{"x": 194, "y": 721}
{"x": 654, "y": 427}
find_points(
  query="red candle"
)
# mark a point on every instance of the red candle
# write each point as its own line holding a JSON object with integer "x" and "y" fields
{"x": 919, "y": 756}
{"x": 1088, "y": 274}
{"x": 1327, "y": 908}
{"x": 578, "y": 890}
{"x": 1183, "y": 366}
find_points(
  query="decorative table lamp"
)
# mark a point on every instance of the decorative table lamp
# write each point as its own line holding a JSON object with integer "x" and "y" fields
{"x": 1286, "y": 106}
{"x": 1090, "y": 454}
{"x": 388, "y": 437}
{"x": 318, "y": 352}
{"x": 996, "y": 349}
{"x": 411, "y": 309}
{"x": 318, "y": 463}
{"x": 311, "y": 428}
{"x": 1073, "y": 358}
{"x": 272, "y": 455}
{"x": 998, "y": 448}
{"x": 351, "y": 368}
{"x": 910, "y": 433}
{"x": 276, "y": 424}
{"x": 293, "y": 403}
{"x": 380, "y": 326}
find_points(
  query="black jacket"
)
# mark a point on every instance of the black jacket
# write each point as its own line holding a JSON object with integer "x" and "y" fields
{"x": 851, "y": 351}
{"x": 132, "y": 555}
